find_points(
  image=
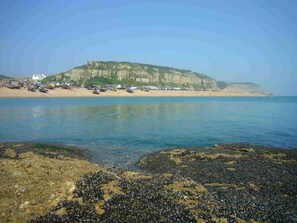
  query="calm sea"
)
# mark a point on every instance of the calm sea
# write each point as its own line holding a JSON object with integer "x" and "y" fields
{"x": 120, "y": 130}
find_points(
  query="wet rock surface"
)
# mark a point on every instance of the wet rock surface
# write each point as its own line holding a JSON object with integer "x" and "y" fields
{"x": 35, "y": 177}
{"x": 243, "y": 182}
{"x": 13, "y": 150}
{"x": 139, "y": 199}
{"x": 225, "y": 183}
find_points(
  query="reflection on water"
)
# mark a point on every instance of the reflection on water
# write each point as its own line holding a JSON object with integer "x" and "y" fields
{"x": 119, "y": 131}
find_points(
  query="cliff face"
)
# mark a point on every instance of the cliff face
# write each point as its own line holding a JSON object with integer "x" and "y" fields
{"x": 98, "y": 72}
{"x": 248, "y": 87}
{"x": 136, "y": 74}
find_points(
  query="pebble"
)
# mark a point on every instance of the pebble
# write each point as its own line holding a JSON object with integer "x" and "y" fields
{"x": 33, "y": 202}
{"x": 22, "y": 189}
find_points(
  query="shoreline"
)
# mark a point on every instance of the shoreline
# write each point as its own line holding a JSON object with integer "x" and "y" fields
{"x": 84, "y": 93}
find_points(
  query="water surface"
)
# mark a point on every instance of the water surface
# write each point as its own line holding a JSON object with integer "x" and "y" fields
{"x": 119, "y": 130}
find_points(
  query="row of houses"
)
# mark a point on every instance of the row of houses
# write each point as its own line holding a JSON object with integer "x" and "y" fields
{"x": 20, "y": 82}
{"x": 38, "y": 77}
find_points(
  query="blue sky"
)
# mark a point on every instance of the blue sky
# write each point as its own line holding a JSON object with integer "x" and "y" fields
{"x": 243, "y": 41}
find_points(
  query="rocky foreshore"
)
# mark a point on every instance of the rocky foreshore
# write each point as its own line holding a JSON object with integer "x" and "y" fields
{"x": 224, "y": 183}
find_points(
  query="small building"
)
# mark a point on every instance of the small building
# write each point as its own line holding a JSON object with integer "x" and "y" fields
{"x": 38, "y": 77}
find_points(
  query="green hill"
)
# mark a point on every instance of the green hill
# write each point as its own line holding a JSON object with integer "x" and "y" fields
{"x": 138, "y": 74}
{"x": 98, "y": 72}
{"x": 3, "y": 77}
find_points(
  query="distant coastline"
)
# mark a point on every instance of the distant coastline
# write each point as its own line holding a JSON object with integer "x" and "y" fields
{"x": 82, "y": 92}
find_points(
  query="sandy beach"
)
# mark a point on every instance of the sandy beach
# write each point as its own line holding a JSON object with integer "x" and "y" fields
{"x": 82, "y": 92}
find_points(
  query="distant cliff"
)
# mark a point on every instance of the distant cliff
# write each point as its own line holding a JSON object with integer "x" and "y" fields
{"x": 248, "y": 87}
{"x": 135, "y": 74}
{"x": 98, "y": 72}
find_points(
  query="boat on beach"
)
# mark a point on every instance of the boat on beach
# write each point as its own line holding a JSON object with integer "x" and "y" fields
{"x": 32, "y": 88}
{"x": 96, "y": 91}
{"x": 103, "y": 89}
{"x": 43, "y": 90}
{"x": 13, "y": 84}
{"x": 130, "y": 89}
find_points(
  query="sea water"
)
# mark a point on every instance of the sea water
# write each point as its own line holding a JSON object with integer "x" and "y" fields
{"x": 118, "y": 131}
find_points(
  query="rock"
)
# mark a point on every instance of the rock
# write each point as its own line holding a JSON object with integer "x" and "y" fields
{"x": 262, "y": 189}
{"x": 22, "y": 189}
{"x": 256, "y": 187}
{"x": 10, "y": 153}
{"x": 33, "y": 202}
{"x": 71, "y": 187}
{"x": 24, "y": 205}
